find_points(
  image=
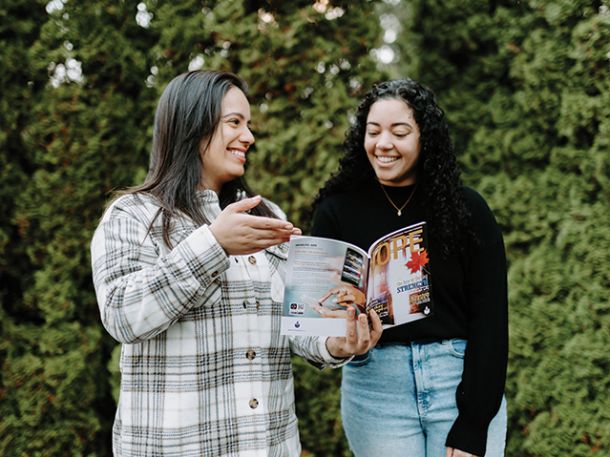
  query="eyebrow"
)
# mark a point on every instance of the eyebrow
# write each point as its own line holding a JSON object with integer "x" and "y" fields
{"x": 395, "y": 124}
{"x": 234, "y": 113}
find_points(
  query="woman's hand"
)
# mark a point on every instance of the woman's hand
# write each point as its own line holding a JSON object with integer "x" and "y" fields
{"x": 452, "y": 452}
{"x": 359, "y": 337}
{"x": 239, "y": 233}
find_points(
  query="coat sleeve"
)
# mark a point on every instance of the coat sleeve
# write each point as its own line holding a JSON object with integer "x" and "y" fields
{"x": 140, "y": 293}
{"x": 313, "y": 349}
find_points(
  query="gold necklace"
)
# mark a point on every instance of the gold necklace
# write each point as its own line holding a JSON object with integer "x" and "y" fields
{"x": 398, "y": 210}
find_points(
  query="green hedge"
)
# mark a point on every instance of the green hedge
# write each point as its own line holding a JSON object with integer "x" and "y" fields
{"x": 68, "y": 141}
{"x": 526, "y": 86}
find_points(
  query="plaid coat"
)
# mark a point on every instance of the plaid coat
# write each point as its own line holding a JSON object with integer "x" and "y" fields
{"x": 204, "y": 370}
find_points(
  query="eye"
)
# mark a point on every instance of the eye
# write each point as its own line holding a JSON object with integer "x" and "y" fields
{"x": 401, "y": 133}
{"x": 233, "y": 121}
{"x": 372, "y": 133}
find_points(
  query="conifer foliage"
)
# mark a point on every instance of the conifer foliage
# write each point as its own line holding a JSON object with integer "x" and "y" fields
{"x": 80, "y": 82}
{"x": 526, "y": 86}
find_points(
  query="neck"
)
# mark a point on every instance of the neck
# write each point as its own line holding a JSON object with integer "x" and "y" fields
{"x": 399, "y": 206}
{"x": 208, "y": 186}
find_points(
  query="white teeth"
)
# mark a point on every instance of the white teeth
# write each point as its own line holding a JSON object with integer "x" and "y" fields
{"x": 240, "y": 154}
{"x": 386, "y": 159}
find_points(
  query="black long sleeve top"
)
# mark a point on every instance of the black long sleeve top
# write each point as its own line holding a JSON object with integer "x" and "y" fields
{"x": 469, "y": 294}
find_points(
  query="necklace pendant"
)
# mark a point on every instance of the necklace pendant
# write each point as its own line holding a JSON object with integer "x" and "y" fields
{"x": 397, "y": 208}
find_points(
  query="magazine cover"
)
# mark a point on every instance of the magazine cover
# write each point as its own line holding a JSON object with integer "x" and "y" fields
{"x": 399, "y": 279}
{"x": 324, "y": 277}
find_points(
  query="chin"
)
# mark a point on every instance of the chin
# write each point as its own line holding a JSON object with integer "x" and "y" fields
{"x": 387, "y": 179}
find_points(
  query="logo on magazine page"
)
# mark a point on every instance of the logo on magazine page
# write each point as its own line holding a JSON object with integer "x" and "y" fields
{"x": 297, "y": 324}
{"x": 297, "y": 309}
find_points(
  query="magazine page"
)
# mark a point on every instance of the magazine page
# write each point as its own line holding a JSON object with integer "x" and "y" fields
{"x": 321, "y": 276}
{"x": 399, "y": 276}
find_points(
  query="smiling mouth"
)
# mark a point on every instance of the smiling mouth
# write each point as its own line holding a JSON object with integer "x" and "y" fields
{"x": 386, "y": 159}
{"x": 239, "y": 154}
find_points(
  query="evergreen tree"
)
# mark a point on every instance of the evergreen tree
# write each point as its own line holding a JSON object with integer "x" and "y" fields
{"x": 77, "y": 106}
{"x": 82, "y": 136}
{"x": 307, "y": 64}
{"x": 525, "y": 86}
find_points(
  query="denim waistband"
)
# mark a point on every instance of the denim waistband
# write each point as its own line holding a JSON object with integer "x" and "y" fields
{"x": 381, "y": 344}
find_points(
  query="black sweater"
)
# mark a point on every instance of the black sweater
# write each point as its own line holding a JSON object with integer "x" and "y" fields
{"x": 468, "y": 290}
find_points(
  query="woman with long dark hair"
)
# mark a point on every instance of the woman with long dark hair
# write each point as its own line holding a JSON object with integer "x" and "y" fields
{"x": 187, "y": 269}
{"x": 433, "y": 387}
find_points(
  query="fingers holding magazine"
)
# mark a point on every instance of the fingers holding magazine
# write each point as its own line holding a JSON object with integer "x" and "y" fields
{"x": 362, "y": 334}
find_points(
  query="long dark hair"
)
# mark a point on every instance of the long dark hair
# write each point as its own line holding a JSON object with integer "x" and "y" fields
{"x": 188, "y": 112}
{"x": 438, "y": 174}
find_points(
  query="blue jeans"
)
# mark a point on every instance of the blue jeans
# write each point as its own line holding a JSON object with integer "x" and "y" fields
{"x": 399, "y": 400}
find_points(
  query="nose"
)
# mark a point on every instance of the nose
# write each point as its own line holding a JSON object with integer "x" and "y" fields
{"x": 384, "y": 142}
{"x": 247, "y": 137}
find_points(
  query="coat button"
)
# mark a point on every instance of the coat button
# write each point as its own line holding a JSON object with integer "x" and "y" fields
{"x": 258, "y": 305}
{"x": 253, "y": 403}
{"x": 252, "y": 260}
{"x": 245, "y": 304}
{"x": 251, "y": 354}
{"x": 214, "y": 274}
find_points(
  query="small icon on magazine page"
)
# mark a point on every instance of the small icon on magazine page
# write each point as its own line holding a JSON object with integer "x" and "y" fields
{"x": 297, "y": 309}
{"x": 297, "y": 324}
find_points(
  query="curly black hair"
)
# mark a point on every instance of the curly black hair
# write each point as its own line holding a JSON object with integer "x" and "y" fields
{"x": 438, "y": 174}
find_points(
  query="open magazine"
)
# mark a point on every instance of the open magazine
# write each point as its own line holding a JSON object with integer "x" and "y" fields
{"x": 324, "y": 277}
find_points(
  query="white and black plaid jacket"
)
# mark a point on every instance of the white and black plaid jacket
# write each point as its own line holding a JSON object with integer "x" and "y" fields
{"x": 204, "y": 369}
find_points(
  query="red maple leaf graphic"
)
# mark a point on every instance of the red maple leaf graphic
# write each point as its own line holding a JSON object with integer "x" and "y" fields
{"x": 418, "y": 260}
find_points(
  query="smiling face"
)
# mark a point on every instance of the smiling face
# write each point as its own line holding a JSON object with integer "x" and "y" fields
{"x": 391, "y": 142}
{"x": 224, "y": 159}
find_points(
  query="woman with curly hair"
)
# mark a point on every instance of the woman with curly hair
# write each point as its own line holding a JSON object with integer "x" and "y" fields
{"x": 433, "y": 387}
